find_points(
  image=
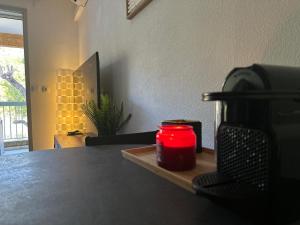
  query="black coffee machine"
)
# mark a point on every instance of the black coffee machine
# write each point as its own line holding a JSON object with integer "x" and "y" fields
{"x": 258, "y": 141}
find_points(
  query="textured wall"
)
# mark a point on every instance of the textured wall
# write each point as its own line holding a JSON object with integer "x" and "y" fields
{"x": 160, "y": 62}
{"x": 53, "y": 43}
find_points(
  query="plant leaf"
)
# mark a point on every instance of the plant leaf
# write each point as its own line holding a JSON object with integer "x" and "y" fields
{"x": 108, "y": 118}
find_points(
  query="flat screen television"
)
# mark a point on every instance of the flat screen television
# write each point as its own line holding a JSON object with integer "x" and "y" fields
{"x": 89, "y": 74}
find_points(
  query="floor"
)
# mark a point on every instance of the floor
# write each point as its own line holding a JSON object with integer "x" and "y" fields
{"x": 13, "y": 151}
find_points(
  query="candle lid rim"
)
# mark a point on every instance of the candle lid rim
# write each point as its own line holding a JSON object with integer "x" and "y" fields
{"x": 175, "y": 127}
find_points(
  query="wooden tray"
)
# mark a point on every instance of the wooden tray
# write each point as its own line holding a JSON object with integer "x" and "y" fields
{"x": 146, "y": 157}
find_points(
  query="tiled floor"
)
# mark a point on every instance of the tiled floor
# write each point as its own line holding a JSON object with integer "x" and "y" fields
{"x": 15, "y": 151}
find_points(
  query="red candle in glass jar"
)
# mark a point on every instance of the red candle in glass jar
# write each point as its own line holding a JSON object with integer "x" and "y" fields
{"x": 176, "y": 147}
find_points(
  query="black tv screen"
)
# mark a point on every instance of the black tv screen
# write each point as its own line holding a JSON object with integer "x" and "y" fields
{"x": 89, "y": 75}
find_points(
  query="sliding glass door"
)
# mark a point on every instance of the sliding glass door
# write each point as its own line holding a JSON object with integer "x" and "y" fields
{"x": 13, "y": 82}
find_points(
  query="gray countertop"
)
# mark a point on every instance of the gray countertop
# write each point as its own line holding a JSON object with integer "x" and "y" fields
{"x": 96, "y": 186}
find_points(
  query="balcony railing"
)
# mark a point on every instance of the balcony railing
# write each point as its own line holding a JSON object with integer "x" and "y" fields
{"x": 14, "y": 119}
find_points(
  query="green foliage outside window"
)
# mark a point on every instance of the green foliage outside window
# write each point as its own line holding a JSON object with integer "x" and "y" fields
{"x": 15, "y": 58}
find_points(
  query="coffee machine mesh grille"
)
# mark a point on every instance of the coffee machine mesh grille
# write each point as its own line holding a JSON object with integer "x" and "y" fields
{"x": 243, "y": 154}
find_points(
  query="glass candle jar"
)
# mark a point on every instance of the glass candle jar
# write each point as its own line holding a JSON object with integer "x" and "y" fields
{"x": 176, "y": 147}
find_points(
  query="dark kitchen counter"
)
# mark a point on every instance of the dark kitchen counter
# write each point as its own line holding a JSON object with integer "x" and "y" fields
{"x": 96, "y": 186}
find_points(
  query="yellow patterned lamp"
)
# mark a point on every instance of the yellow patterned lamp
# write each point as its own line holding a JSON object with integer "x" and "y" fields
{"x": 64, "y": 101}
{"x": 70, "y": 97}
{"x": 79, "y": 122}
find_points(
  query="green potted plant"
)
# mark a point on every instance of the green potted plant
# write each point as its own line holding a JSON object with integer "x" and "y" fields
{"x": 108, "y": 118}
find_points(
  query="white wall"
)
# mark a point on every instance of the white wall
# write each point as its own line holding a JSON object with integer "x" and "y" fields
{"x": 53, "y": 43}
{"x": 160, "y": 62}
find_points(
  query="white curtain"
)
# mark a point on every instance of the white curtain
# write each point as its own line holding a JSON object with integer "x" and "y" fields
{"x": 1, "y": 138}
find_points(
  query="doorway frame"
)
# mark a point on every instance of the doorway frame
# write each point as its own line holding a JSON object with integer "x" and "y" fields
{"x": 23, "y": 11}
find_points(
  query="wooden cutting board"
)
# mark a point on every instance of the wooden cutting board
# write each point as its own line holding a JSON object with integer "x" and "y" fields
{"x": 146, "y": 157}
